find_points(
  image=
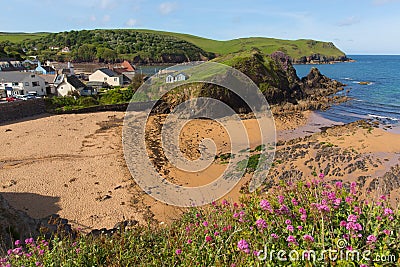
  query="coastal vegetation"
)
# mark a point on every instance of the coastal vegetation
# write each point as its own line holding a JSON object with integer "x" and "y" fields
{"x": 147, "y": 46}
{"x": 295, "y": 223}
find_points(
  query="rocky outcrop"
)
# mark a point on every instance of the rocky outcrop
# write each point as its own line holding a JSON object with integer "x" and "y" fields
{"x": 388, "y": 182}
{"x": 17, "y": 225}
{"x": 315, "y": 84}
{"x": 320, "y": 59}
{"x": 275, "y": 76}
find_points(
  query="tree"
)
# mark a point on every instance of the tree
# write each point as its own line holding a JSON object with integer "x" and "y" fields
{"x": 86, "y": 52}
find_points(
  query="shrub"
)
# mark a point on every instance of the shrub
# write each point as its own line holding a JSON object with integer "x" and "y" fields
{"x": 285, "y": 227}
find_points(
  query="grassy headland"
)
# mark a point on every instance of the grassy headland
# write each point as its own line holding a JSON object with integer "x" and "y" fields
{"x": 148, "y": 46}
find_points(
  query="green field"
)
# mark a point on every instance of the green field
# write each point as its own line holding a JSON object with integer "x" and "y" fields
{"x": 19, "y": 37}
{"x": 294, "y": 48}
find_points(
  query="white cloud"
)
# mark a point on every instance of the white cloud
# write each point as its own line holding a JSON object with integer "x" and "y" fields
{"x": 106, "y": 18}
{"x": 107, "y": 4}
{"x": 131, "y": 22}
{"x": 349, "y": 21}
{"x": 167, "y": 7}
{"x": 136, "y": 5}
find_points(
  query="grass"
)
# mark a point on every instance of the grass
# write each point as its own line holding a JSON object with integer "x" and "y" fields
{"x": 294, "y": 224}
{"x": 20, "y": 37}
{"x": 294, "y": 48}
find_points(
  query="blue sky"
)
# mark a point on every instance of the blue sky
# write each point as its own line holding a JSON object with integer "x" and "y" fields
{"x": 355, "y": 26}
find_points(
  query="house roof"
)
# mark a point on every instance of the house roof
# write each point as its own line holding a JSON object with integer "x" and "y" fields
{"x": 48, "y": 68}
{"x": 14, "y": 76}
{"x": 119, "y": 70}
{"x": 95, "y": 83}
{"x": 127, "y": 66}
{"x": 48, "y": 78}
{"x": 11, "y": 62}
{"x": 108, "y": 72}
{"x": 75, "y": 82}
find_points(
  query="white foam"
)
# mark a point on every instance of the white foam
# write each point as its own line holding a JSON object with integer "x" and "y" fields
{"x": 382, "y": 117}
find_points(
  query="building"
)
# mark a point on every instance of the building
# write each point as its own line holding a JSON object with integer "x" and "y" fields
{"x": 67, "y": 85}
{"x": 44, "y": 69}
{"x": 108, "y": 76}
{"x": 49, "y": 80}
{"x": 70, "y": 84}
{"x": 65, "y": 50}
{"x": 21, "y": 83}
{"x": 10, "y": 64}
{"x": 176, "y": 78}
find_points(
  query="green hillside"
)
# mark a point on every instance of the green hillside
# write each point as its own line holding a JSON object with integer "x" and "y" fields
{"x": 149, "y": 46}
{"x": 293, "y": 48}
{"x": 20, "y": 37}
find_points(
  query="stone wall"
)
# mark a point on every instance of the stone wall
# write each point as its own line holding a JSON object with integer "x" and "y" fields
{"x": 21, "y": 109}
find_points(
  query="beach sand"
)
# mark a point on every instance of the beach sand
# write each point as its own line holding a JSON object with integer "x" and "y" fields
{"x": 73, "y": 165}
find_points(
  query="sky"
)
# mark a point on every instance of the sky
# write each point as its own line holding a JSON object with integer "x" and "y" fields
{"x": 354, "y": 26}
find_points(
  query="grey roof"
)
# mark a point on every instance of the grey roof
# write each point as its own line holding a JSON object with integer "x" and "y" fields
{"x": 48, "y": 68}
{"x": 95, "y": 83}
{"x": 75, "y": 82}
{"x": 14, "y": 76}
{"x": 108, "y": 72}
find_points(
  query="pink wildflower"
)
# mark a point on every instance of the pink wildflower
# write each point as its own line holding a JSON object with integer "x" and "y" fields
{"x": 308, "y": 238}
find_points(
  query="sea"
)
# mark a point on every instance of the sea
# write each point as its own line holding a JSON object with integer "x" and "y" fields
{"x": 379, "y": 99}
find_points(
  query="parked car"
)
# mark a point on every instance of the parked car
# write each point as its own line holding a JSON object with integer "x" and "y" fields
{"x": 24, "y": 97}
{"x": 11, "y": 99}
{"x": 20, "y": 97}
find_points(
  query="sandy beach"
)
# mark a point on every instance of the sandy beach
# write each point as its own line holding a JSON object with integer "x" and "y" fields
{"x": 73, "y": 165}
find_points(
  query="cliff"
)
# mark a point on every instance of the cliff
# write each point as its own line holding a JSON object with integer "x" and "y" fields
{"x": 275, "y": 76}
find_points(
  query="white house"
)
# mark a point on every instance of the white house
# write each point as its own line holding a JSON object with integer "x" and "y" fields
{"x": 108, "y": 76}
{"x": 21, "y": 83}
{"x": 66, "y": 85}
{"x": 176, "y": 78}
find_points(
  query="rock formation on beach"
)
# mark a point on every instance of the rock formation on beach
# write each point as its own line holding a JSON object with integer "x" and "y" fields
{"x": 17, "y": 225}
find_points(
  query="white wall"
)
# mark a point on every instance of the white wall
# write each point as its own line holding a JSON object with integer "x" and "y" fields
{"x": 26, "y": 85}
{"x": 99, "y": 76}
{"x": 64, "y": 88}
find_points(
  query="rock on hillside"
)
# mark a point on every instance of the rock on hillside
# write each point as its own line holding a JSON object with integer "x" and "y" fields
{"x": 275, "y": 76}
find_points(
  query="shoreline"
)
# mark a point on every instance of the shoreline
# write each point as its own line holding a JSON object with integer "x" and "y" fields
{"x": 73, "y": 164}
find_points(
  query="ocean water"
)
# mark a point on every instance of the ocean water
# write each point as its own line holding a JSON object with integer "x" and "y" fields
{"x": 379, "y": 100}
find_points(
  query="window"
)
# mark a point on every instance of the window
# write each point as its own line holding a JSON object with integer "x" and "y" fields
{"x": 33, "y": 76}
{"x": 105, "y": 78}
{"x": 115, "y": 79}
{"x": 26, "y": 84}
{"x": 34, "y": 84}
{"x": 14, "y": 84}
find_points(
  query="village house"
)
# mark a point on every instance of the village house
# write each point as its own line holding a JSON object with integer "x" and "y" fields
{"x": 108, "y": 76}
{"x": 44, "y": 69}
{"x": 69, "y": 84}
{"x": 10, "y": 64}
{"x": 49, "y": 80}
{"x": 21, "y": 83}
{"x": 127, "y": 70}
{"x": 65, "y": 50}
{"x": 176, "y": 78}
